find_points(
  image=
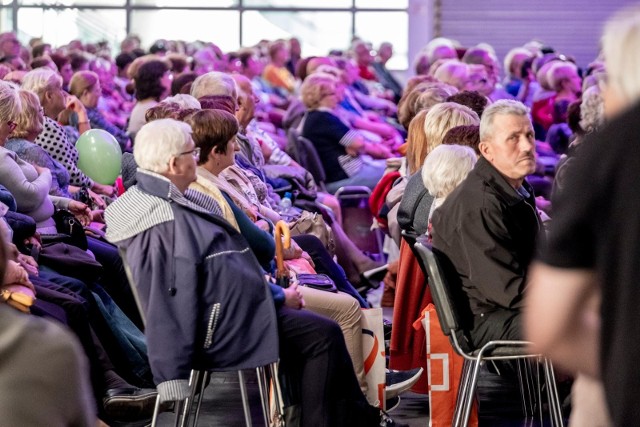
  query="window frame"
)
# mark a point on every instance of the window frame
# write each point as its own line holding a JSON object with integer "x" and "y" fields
{"x": 240, "y": 7}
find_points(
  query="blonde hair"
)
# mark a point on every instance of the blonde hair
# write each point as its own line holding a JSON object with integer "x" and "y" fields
{"x": 621, "y": 38}
{"x": 416, "y": 142}
{"x": 31, "y": 120}
{"x": 82, "y": 81}
{"x": 315, "y": 88}
{"x": 10, "y": 102}
{"x": 443, "y": 117}
{"x": 41, "y": 80}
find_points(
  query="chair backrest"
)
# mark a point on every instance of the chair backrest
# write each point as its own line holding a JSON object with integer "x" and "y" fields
{"x": 303, "y": 152}
{"x": 447, "y": 296}
{"x": 410, "y": 238}
{"x": 292, "y": 148}
{"x": 132, "y": 283}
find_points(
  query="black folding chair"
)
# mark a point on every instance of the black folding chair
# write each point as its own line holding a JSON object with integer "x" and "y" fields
{"x": 453, "y": 317}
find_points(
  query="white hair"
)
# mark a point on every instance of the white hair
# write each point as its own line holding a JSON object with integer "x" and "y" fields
{"x": 446, "y": 167}
{"x": 158, "y": 141}
{"x": 620, "y": 45}
{"x": 10, "y": 102}
{"x": 431, "y": 47}
{"x": 453, "y": 72}
{"x": 40, "y": 80}
{"x": 500, "y": 107}
{"x": 559, "y": 71}
{"x": 510, "y": 56}
{"x": 214, "y": 83}
{"x": 184, "y": 101}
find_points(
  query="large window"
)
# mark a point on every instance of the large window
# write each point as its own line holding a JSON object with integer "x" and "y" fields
{"x": 321, "y": 25}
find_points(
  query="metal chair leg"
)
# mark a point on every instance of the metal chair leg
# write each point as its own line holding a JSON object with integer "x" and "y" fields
{"x": 245, "y": 399}
{"x": 539, "y": 391}
{"x": 462, "y": 392}
{"x": 471, "y": 392}
{"x": 178, "y": 411}
{"x": 205, "y": 378}
{"x": 277, "y": 394}
{"x": 521, "y": 386}
{"x": 555, "y": 409}
{"x": 156, "y": 411}
{"x": 264, "y": 398}
{"x": 188, "y": 403}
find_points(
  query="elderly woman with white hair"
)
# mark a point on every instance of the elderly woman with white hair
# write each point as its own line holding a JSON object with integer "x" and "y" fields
{"x": 48, "y": 86}
{"x": 443, "y": 170}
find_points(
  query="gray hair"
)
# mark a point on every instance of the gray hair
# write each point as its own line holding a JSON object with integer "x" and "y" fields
{"x": 591, "y": 110}
{"x": 500, "y": 107}
{"x": 40, "y": 80}
{"x": 184, "y": 101}
{"x": 558, "y": 72}
{"x": 214, "y": 83}
{"x": 158, "y": 141}
{"x": 10, "y": 102}
{"x": 446, "y": 167}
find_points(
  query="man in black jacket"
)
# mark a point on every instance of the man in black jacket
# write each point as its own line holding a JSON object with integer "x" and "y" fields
{"x": 487, "y": 227}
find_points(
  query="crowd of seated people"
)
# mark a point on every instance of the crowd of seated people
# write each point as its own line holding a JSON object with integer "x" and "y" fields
{"x": 206, "y": 137}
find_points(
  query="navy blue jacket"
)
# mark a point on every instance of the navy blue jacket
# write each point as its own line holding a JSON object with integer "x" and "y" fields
{"x": 203, "y": 293}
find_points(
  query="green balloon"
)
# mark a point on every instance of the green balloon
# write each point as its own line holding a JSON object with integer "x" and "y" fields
{"x": 100, "y": 156}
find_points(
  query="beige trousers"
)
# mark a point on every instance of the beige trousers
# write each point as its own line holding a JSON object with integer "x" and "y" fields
{"x": 345, "y": 311}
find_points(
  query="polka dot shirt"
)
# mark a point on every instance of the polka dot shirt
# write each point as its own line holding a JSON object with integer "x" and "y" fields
{"x": 53, "y": 139}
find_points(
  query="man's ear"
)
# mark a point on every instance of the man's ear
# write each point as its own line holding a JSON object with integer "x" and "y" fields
{"x": 173, "y": 165}
{"x": 485, "y": 150}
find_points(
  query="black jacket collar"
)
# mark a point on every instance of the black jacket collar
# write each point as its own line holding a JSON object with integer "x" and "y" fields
{"x": 494, "y": 179}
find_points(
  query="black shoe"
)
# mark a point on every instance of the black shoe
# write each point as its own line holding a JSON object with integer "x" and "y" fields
{"x": 386, "y": 326}
{"x": 129, "y": 403}
{"x": 392, "y": 403}
{"x": 376, "y": 274}
{"x": 386, "y": 421}
{"x": 400, "y": 381}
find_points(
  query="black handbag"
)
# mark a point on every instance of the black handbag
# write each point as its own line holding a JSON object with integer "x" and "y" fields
{"x": 321, "y": 282}
{"x": 67, "y": 223}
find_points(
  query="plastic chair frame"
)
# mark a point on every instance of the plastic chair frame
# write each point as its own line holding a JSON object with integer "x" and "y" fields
{"x": 498, "y": 350}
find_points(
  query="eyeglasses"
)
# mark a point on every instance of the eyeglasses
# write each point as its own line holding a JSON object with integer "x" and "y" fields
{"x": 195, "y": 153}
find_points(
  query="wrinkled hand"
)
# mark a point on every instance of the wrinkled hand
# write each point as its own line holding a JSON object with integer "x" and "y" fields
{"x": 293, "y": 297}
{"x": 99, "y": 202}
{"x": 294, "y": 251}
{"x": 16, "y": 275}
{"x": 262, "y": 224}
{"x": 74, "y": 104}
{"x": 307, "y": 257}
{"x": 107, "y": 190}
{"x": 379, "y": 151}
{"x": 97, "y": 215}
{"x": 80, "y": 211}
{"x": 29, "y": 264}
